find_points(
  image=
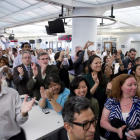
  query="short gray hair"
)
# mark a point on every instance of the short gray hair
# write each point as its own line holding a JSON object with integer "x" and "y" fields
{"x": 74, "y": 105}
{"x": 25, "y": 52}
{"x": 77, "y": 47}
{"x": 42, "y": 53}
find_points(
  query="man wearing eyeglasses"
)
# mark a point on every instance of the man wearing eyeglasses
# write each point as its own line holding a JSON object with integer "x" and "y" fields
{"x": 39, "y": 74}
{"x": 79, "y": 121}
{"x": 22, "y": 74}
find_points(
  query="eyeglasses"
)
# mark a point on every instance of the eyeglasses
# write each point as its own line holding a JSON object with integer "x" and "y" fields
{"x": 44, "y": 59}
{"x": 87, "y": 125}
{"x": 26, "y": 57}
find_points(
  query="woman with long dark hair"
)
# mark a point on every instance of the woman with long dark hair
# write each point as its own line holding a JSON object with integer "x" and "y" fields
{"x": 80, "y": 87}
{"x": 55, "y": 95}
{"x": 97, "y": 82}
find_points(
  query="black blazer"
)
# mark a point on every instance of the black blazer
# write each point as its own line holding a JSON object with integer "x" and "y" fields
{"x": 35, "y": 86}
{"x": 21, "y": 84}
{"x": 62, "y": 135}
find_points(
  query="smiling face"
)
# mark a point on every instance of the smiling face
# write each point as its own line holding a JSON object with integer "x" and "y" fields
{"x": 129, "y": 87}
{"x": 55, "y": 87}
{"x": 96, "y": 65}
{"x": 82, "y": 89}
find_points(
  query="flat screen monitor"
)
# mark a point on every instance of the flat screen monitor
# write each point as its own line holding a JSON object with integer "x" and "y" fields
{"x": 48, "y": 31}
{"x": 56, "y": 26}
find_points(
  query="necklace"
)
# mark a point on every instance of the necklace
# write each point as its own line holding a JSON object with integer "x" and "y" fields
{"x": 127, "y": 103}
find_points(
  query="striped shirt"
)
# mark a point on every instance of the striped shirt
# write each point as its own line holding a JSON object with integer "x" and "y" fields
{"x": 133, "y": 119}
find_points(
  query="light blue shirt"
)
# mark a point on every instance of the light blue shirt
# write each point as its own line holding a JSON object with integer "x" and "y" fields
{"x": 60, "y": 100}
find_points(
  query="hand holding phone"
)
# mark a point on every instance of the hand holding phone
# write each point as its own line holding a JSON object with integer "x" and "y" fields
{"x": 128, "y": 135}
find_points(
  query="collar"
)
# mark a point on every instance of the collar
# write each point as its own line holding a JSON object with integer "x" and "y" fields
{"x": 26, "y": 66}
{"x": 68, "y": 136}
{"x": 130, "y": 60}
{"x": 3, "y": 91}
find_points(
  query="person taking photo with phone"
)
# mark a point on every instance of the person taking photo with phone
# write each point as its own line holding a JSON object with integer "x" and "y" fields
{"x": 78, "y": 62}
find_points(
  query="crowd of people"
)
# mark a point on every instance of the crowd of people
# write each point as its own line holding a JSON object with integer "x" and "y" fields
{"x": 92, "y": 99}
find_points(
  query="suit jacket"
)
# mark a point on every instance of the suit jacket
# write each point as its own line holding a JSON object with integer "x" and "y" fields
{"x": 62, "y": 135}
{"x": 34, "y": 85}
{"x": 21, "y": 84}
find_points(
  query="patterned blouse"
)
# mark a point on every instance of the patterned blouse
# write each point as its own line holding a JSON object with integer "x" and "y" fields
{"x": 133, "y": 119}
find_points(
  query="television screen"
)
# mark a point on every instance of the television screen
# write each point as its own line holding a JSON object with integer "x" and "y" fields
{"x": 56, "y": 26}
{"x": 48, "y": 31}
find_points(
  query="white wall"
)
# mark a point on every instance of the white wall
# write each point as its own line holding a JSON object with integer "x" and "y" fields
{"x": 126, "y": 40}
{"x": 136, "y": 45}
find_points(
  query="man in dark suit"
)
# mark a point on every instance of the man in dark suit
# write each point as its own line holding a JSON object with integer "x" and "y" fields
{"x": 39, "y": 74}
{"x": 22, "y": 74}
{"x": 79, "y": 121}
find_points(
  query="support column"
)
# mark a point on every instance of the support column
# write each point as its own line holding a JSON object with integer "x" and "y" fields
{"x": 84, "y": 29}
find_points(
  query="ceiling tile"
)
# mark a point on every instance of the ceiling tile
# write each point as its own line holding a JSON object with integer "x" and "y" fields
{"x": 8, "y": 6}
{"x": 4, "y": 11}
{"x": 1, "y": 15}
{"x": 18, "y": 3}
{"x": 39, "y": 11}
{"x": 89, "y": 1}
{"x": 21, "y": 17}
{"x": 31, "y": 14}
{"x": 51, "y": 9}
{"x": 31, "y": 1}
{"x": 10, "y": 20}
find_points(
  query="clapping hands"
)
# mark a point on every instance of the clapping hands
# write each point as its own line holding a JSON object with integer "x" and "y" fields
{"x": 95, "y": 78}
{"x": 27, "y": 106}
{"x": 46, "y": 93}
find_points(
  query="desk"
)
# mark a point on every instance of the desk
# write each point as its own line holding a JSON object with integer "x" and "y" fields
{"x": 39, "y": 125}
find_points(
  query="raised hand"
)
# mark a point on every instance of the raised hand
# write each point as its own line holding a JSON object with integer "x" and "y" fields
{"x": 95, "y": 78}
{"x": 112, "y": 59}
{"x": 61, "y": 56}
{"x": 129, "y": 66}
{"x": 118, "y": 56}
{"x": 20, "y": 70}
{"x": 86, "y": 45}
{"x": 120, "y": 131}
{"x": 35, "y": 69}
{"x": 27, "y": 106}
{"x": 43, "y": 93}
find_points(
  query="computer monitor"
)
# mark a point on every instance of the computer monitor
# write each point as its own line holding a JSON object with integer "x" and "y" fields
{"x": 56, "y": 26}
{"x": 48, "y": 31}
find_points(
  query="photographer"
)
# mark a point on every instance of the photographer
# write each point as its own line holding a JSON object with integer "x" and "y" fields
{"x": 78, "y": 62}
{"x": 63, "y": 69}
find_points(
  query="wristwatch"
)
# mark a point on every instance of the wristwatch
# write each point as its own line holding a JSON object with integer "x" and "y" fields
{"x": 50, "y": 99}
